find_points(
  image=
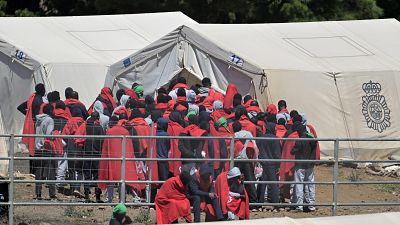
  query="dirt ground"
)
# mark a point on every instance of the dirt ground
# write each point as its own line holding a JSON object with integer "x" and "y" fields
{"x": 45, "y": 215}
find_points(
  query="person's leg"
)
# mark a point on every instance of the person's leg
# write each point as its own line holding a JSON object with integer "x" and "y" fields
{"x": 62, "y": 169}
{"x": 217, "y": 208}
{"x": 195, "y": 200}
{"x": 109, "y": 193}
{"x": 38, "y": 168}
{"x": 273, "y": 189}
{"x": 309, "y": 176}
{"x": 87, "y": 175}
{"x": 163, "y": 170}
{"x": 248, "y": 173}
{"x": 298, "y": 188}
{"x": 52, "y": 176}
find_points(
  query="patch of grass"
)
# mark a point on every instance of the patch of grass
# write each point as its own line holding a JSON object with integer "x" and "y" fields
{"x": 390, "y": 188}
{"x": 74, "y": 212}
{"x": 143, "y": 216}
{"x": 354, "y": 176}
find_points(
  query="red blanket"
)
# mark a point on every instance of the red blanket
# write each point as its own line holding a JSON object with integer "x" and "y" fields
{"x": 238, "y": 206}
{"x": 174, "y": 129}
{"x": 286, "y": 168}
{"x": 221, "y": 132}
{"x": 171, "y": 202}
{"x": 231, "y": 90}
{"x": 220, "y": 113}
{"x": 29, "y": 127}
{"x": 111, "y": 169}
{"x": 72, "y": 125}
{"x": 248, "y": 125}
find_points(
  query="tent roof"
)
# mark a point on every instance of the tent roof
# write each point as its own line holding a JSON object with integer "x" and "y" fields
{"x": 332, "y": 46}
{"x": 87, "y": 39}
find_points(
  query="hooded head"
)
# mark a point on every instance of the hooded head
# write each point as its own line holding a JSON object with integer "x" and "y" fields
{"x": 191, "y": 96}
{"x": 271, "y": 108}
{"x": 124, "y": 99}
{"x": 217, "y": 105}
{"x": 191, "y": 113}
{"x": 181, "y": 80}
{"x": 98, "y": 107}
{"x": 234, "y": 172}
{"x": 300, "y": 128}
{"x": 162, "y": 91}
{"x": 162, "y": 124}
{"x": 39, "y": 89}
{"x": 297, "y": 118}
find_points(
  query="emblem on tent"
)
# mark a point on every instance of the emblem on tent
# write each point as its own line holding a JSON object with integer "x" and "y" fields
{"x": 374, "y": 107}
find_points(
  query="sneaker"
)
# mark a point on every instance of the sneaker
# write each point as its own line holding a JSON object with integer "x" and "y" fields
{"x": 311, "y": 208}
{"x": 38, "y": 197}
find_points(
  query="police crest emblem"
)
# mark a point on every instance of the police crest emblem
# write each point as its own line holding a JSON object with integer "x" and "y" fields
{"x": 374, "y": 107}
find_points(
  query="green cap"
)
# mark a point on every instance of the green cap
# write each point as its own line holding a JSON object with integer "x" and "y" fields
{"x": 222, "y": 122}
{"x": 191, "y": 113}
{"x": 139, "y": 90}
{"x": 119, "y": 209}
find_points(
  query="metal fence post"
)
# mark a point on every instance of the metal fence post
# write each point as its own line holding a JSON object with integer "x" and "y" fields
{"x": 11, "y": 184}
{"x": 148, "y": 189}
{"x": 123, "y": 171}
{"x": 232, "y": 152}
{"x": 335, "y": 176}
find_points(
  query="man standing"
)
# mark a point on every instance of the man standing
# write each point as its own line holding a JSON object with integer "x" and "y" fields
{"x": 30, "y": 109}
{"x": 44, "y": 169}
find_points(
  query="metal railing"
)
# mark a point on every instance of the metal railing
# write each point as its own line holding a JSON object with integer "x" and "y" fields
{"x": 123, "y": 182}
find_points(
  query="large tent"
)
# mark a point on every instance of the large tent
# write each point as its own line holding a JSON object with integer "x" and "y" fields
{"x": 343, "y": 75}
{"x": 68, "y": 51}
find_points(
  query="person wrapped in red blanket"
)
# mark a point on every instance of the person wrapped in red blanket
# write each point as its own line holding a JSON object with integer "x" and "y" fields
{"x": 232, "y": 195}
{"x": 171, "y": 201}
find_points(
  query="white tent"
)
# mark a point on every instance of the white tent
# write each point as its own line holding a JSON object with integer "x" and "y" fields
{"x": 343, "y": 75}
{"x": 68, "y": 51}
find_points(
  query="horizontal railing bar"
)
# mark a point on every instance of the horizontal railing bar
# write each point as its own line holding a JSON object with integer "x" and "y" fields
{"x": 369, "y": 182}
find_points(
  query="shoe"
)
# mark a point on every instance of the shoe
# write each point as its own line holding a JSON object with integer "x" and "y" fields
{"x": 311, "y": 208}
{"x": 38, "y": 197}
{"x": 78, "y": 194}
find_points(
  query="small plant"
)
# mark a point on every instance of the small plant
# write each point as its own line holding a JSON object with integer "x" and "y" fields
{"x": 143, "y": 216}
{"x": 354, "y": 176}
{"x": 391, "y": 188}
{"x": 72, "y": 211}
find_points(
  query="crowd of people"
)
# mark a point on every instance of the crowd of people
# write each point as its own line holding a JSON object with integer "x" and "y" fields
{"x": 177, "y": 110}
